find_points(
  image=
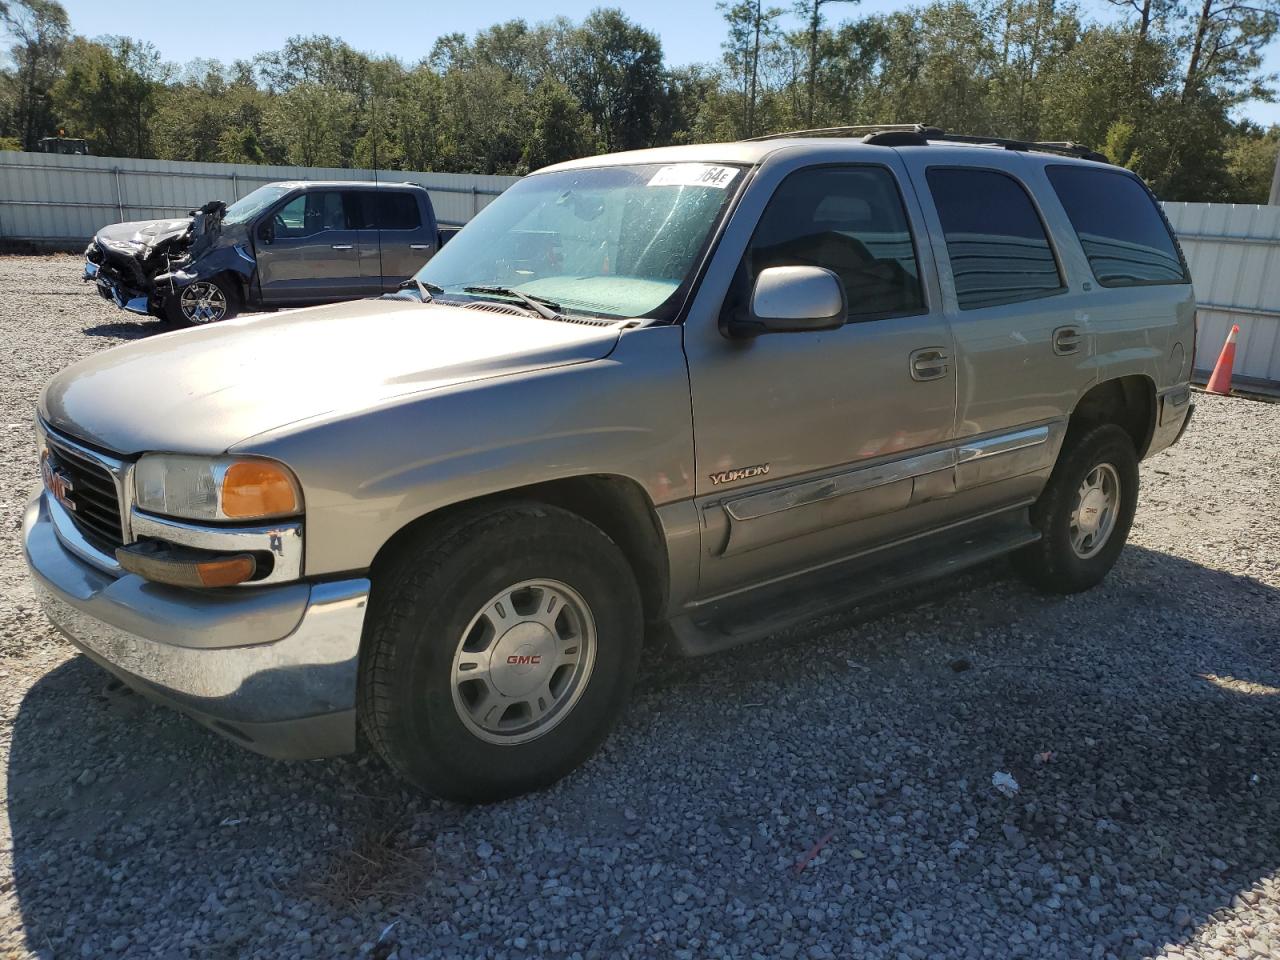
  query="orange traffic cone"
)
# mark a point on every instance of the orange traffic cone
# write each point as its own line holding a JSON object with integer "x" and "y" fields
{"x": 1220, "y": 380}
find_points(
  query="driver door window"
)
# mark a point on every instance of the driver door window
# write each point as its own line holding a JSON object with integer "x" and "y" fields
{"x": 311, "y": 254}
{"x": 309, "y": 214}
{"x": 851, "y": 221}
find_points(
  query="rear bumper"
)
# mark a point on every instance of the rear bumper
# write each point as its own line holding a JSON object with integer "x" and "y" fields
{"x": 273, "y": 669}
{"x": 1173, "y": 413}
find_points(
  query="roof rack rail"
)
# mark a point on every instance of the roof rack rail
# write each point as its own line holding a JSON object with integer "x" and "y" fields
{"x": 854, "y": 131}
{"x": 920, "y": 134}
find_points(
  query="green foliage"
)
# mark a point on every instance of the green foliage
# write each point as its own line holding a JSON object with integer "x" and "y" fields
{"x": 1157, "y": 90}
{"x": 1251, "y": 163}
{"x": 108, "y": 93}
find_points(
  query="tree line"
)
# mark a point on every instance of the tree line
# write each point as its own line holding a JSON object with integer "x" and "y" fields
{"x": 1154, "y": 84}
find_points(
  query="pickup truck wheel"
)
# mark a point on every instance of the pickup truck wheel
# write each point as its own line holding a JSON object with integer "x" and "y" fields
{"x": 1084, "y": 512}
{"x": 202, "y": 302}
{"x": 499, "y": 652}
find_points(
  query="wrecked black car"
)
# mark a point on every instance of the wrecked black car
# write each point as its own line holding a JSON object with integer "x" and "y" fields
{"x": 284, "y": 244}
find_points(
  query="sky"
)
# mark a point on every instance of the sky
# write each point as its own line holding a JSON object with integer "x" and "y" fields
{"x": 691, "y": 30}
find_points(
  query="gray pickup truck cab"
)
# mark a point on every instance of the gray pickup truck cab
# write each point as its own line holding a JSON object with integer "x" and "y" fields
{"x": 283, "y": 245}
{"x": 707, "y": 390}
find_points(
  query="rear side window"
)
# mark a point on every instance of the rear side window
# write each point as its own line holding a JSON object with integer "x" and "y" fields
{"x": 383, "y": 210}
{"x": 1121, "y": 229}
{"x": 397, "y": 211}
{"x": 997, "y": 246}
{"x": 851, "y": 221}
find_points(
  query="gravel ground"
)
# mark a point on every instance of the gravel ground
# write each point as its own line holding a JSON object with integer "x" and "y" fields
{"x": 824, "y": 794}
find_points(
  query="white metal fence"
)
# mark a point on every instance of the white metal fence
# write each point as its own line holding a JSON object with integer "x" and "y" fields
{"x": 1234, "y": 254}
{"x": 63, "y": 200}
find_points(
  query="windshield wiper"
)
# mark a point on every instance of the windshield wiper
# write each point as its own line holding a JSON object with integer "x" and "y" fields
{"x": 547, "y": 309}
{"x": 425, "y": 290}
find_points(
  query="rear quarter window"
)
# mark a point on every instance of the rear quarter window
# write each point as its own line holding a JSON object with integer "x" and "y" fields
{"x": 1121, "y": 229}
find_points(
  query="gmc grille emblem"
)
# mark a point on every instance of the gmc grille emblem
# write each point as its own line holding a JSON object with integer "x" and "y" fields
{"x": 56, "y": 482}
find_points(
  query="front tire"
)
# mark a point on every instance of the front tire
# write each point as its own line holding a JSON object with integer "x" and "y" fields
{"x": 202, "y": 302}
{"x": 1084, "y": 513}
{"x": 499, "y": 653}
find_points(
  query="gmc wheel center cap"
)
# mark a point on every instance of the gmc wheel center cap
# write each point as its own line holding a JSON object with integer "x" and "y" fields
{"x": 522, "y": 660}
{"x": 1091, "y": 507}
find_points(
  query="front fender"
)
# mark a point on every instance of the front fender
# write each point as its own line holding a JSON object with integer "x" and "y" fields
{"x": 233, "y": 258}
{"x": 365, "y": 475}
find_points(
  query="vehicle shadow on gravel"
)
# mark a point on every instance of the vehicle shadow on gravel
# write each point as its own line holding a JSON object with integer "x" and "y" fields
{"x": 833, "y": 788}
{"x": 128, "y": 329}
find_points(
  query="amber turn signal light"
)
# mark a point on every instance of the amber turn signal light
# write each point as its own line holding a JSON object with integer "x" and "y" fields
{"x": 226, "y": 573}
{"x": 183, "y": 568}
{"x": 259, "y": 488}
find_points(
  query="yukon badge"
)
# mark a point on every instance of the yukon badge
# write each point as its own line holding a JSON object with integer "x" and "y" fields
{"x": 741, "y": 473}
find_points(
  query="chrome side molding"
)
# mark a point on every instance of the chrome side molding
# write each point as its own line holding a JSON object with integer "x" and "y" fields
{"x": 1001, "y": 443}
{"x": 758, "y": 505}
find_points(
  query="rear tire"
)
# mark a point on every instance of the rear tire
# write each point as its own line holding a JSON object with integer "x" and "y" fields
{"x": 1084, "y": 513}
{"x": 202, "y": 302}
{"x": 557, "y": 660}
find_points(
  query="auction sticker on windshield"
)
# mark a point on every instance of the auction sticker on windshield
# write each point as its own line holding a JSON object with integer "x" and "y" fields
{"x": 694, "y": 175}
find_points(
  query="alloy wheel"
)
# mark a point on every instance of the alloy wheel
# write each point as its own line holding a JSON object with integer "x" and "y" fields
{"x": 203, "y": 302}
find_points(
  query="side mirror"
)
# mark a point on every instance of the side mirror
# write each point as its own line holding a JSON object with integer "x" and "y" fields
{"x": 267, "y": 232}
{"x": 792, "y": 300}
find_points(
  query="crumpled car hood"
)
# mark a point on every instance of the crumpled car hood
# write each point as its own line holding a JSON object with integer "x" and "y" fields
{"x": 204, "y": 390}
{"x": 141, "y": 234}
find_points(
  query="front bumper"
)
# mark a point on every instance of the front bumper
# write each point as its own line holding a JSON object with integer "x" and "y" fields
{"x": 109, "y": 289}
{"x": 273, "y": 668}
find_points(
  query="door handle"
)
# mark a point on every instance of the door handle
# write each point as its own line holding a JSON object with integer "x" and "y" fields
{"x": 419, "y": 246}
{"x": 929, "y": 363}
{"x": 341, "y": 246}
{"x": 1066, "y": 340}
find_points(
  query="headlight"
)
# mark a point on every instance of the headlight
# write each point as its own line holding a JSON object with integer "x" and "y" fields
{"x": 215, "y": 488}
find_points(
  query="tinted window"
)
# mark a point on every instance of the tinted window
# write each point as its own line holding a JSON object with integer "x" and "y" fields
{"x": 996, "y": 243}
{"x": 1121, "y": 229}
{"x": 311, "y": 213}
{"x": 397, "y": 211}
{"x": 851, "y": 221}
{"x": 383, "y": 210}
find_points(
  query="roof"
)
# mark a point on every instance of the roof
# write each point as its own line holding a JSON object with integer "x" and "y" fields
{"x": 752, "y": 152}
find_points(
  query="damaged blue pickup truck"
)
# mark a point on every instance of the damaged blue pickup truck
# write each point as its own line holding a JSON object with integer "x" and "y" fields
{"x": 283, "y": 245}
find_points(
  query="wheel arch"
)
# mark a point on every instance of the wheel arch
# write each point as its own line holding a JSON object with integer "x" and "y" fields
{"x": 618, "y": 505}
{"x": 1129, "y": 402}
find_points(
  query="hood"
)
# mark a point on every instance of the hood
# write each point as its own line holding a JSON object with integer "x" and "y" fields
{"x": 204, "y": 390}
{"x": 138, "y": 235}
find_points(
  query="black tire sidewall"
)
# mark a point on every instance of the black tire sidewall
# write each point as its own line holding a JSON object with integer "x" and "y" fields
{"x": 432, "y": 743}
{"x": 1056, "y": 566}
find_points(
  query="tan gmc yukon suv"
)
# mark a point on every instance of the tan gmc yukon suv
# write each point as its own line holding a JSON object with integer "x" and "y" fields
{"x": 701, "y": 391}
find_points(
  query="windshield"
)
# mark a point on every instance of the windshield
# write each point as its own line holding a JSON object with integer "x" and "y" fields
{"x": 618, "y": 241}
{"x": 251, "y": 204}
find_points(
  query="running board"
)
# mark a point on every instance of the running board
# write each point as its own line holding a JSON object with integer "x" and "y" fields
{"x": 772, "y": 609}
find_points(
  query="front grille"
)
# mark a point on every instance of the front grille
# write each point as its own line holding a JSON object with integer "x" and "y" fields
{"x": 92, "y": 495}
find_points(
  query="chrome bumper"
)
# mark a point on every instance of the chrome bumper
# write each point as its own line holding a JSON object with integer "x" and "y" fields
{"x": 273, "y": 668}
{"x": 111, "y": 291}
